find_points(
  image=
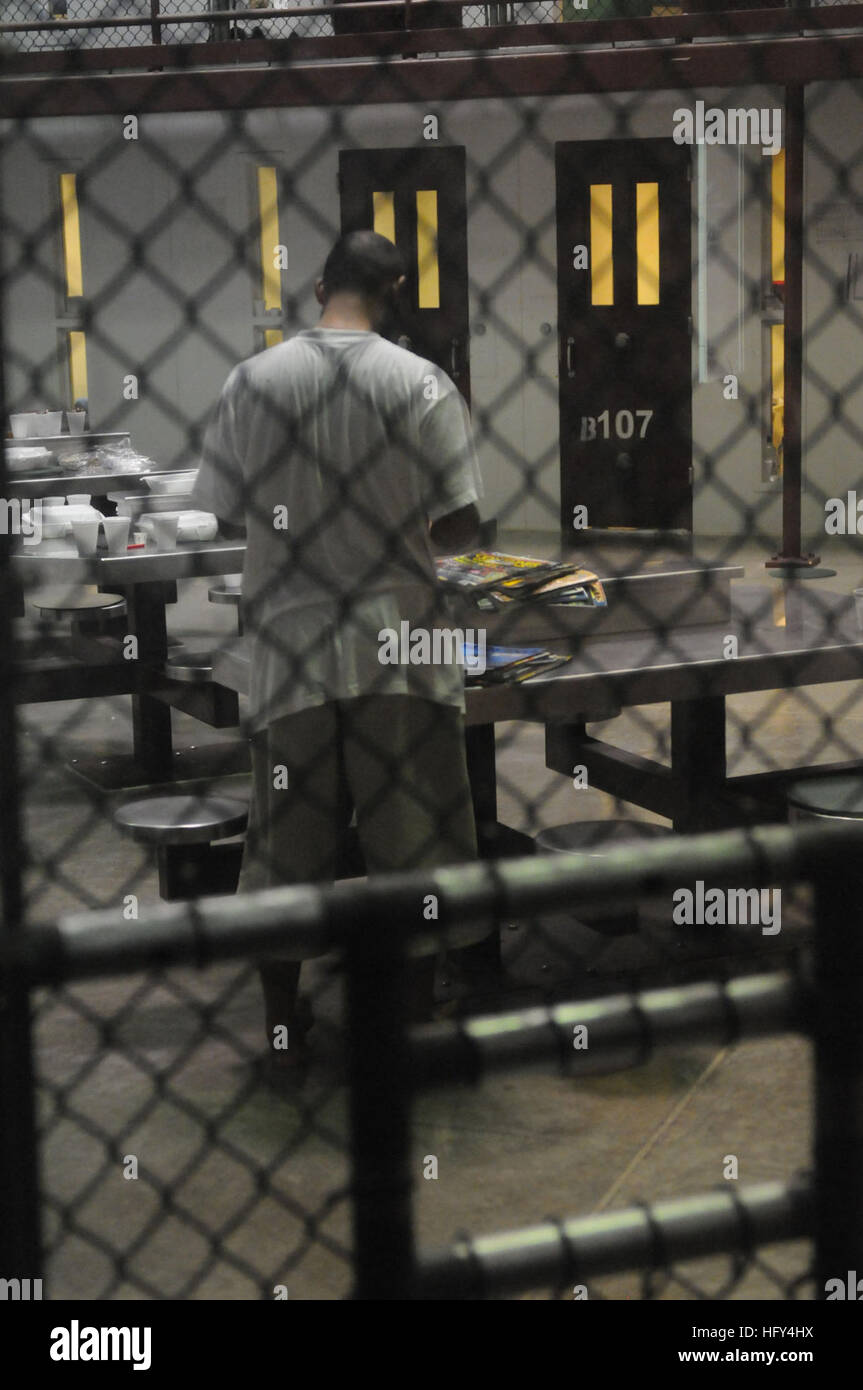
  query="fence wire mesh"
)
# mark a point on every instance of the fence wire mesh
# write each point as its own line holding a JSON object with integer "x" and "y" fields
{"x": 610, "y": 324}
{"x": 74, "y": 23}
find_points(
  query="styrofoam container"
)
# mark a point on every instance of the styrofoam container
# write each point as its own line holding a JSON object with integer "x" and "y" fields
{"x": 135, "y": 507}
{"x": 57, "y": 521}
{"x": 146, "y": 520}
{"x": 191, "y": 525}
{"x": 23, "y": 458}
{"x": 160, "y": 483}
{"x": 30, "y": 452}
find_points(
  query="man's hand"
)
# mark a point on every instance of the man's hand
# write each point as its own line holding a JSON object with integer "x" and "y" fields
{"x": 457, "y": 531}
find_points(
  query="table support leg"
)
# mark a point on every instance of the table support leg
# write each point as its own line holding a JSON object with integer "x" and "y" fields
{"x": 482, "y": 962}
{"x": 698, "y": 761}
{"x": 480, "y": 748}
{"x": 151, "y": 719}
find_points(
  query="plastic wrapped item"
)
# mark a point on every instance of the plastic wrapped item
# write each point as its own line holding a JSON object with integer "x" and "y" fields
{"x": 110, "y": 458}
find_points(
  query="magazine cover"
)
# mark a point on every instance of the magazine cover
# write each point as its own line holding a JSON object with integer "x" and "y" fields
{"x": 484, "y": 569}
{"x": 494, "y": 580}
{"x": 505, "y": 664}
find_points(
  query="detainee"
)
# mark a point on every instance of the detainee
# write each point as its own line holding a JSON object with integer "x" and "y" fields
{"x": 347, "y": 460}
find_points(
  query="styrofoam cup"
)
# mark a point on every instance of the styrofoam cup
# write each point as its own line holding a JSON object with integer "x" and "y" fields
{"x": 165, "y": 531}
{"x": 116, "y": 533}
{"x": 75, "y": 420}
{"x": 79, "y": 499}
{"x": 48, "y": 423}
{"x": 86, "y": 535}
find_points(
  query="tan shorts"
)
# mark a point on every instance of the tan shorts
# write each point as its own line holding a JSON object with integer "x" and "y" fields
{"x": 397, "y": 760}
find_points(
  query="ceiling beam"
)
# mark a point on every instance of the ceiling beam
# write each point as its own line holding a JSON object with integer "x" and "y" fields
{"x": 738, "y": 62}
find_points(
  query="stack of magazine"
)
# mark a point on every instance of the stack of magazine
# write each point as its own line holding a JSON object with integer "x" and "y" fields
{"x": 492, "y": 581}
{"x": 496, "y": 665}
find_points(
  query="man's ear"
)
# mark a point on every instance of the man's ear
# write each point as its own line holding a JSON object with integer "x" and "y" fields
{"x": 395, "y": 289}
{"x": 320, "y": 292}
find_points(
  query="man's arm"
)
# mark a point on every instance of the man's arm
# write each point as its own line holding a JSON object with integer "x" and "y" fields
{"x": 457, "y": 531}
{"x": 218, "y": 487}
{"x": 450, "y": 476}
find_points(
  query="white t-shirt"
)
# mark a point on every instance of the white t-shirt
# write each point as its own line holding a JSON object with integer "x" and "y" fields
{"x": 336, "y": 449}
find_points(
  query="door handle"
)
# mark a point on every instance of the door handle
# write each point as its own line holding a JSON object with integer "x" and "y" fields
{"x": 570, "y": 344}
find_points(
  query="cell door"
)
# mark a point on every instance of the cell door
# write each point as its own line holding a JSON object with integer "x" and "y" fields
{"x": 624, "y": 306}
{"x": 416, "y": 198}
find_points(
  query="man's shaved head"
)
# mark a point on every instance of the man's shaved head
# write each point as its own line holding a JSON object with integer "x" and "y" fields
{"x": 363, "y": 263}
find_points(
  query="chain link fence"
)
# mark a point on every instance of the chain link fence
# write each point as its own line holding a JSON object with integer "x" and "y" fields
{"x": 148, "y": 22}
{"x": 617, "y": 340}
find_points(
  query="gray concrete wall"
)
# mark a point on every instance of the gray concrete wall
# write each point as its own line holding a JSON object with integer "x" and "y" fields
{"x": 141, "y": 324}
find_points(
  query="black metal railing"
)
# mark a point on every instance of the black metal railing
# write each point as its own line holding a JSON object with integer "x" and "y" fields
{"x": 538, "y": 21}
{"x": 376, "y": 923}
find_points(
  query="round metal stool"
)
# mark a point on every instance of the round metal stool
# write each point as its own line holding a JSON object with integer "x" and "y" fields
{"x": 83, "y": 607}
{"x": 836, "y": 796}
{"x": 225, "y": 593}
{"x": 190, "y": 666}
{"x": 185, "y": 831}
{"x": 229, "y": 592}
{"x": 598, "y": 837}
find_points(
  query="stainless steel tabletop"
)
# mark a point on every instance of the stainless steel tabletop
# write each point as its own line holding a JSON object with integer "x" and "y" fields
{"x": 807, "y": 638}
{"x": 59, "y": 484}
{"x": 58, "y": 562}
{"x": 787, "y": 635}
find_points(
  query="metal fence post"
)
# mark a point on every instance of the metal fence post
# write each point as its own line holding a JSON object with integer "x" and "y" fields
{"x": 790, "y": 553}
{"x": 838, "y": 1040}
{"x": 20, "y": 1254}
{"x": 220, "y": 29}
{"x": 379, "y": 1079}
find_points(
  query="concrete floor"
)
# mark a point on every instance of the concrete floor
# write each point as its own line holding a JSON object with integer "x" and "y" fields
{"x": 239, "y": 1190}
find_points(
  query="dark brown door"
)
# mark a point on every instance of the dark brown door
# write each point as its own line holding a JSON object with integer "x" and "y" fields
{"x": 624, "y": 305}
{"x": 416, "y": 197}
